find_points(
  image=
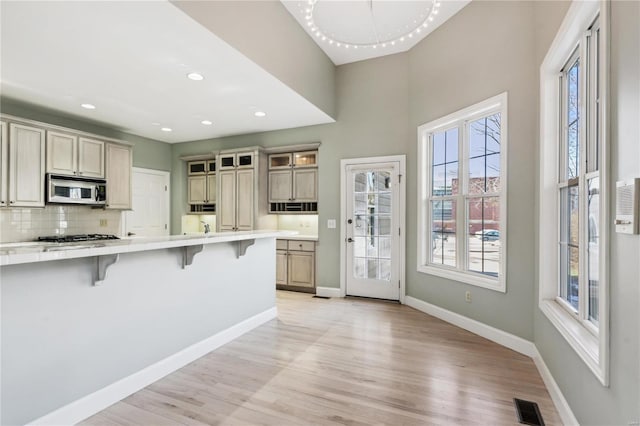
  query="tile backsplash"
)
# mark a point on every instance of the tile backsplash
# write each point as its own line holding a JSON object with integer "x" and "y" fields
{"x": 18, "y": 225}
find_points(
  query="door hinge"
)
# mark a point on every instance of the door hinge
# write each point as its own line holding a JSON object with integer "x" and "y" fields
{"x": 165, "y": 226}
{"x": 165, "y": 188}
{"x": 398, "y": 283}
{"x": 398, "y": 231}
{"x": 399, "y": 178}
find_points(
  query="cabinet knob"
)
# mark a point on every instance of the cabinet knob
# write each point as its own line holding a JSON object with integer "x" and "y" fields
{"x": 11, "y": 202}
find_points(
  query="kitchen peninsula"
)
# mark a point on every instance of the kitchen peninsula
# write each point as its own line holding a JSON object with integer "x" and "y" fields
{"x": 70, "y": 347}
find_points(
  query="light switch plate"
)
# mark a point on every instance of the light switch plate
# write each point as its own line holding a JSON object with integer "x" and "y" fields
{"x": 331, "y": 223}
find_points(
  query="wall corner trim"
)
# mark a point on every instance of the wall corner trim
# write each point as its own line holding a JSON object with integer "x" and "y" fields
{"x": 328, "y": 292}
{"x": 97, "y": 401}
{"x": 505, "y": 339}
{"x": 564, "y": 410}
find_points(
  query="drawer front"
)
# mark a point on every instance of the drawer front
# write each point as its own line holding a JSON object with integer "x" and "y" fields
{"x": 281, "y": 244}
{"x": 301, "y": 245}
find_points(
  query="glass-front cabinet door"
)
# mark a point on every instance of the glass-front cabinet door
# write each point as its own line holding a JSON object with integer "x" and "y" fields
{"x": 305, "y": 159}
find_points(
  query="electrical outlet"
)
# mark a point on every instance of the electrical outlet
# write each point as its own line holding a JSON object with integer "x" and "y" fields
{"x": 467, "y": 297}
{"x": 103, "y": 222}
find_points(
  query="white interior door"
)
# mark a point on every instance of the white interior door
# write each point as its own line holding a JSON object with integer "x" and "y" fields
{"x": 149, "y": 216}
{"x": 372, "y": 230}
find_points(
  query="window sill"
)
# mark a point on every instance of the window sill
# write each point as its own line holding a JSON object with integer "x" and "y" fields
{"x": 465, "y": 277}
{"x": 583, "y": 342}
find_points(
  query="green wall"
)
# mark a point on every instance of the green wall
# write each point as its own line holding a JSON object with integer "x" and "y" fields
{"x": 147, "y": 153}
{"x": 619, "y": 403}
{"x": 372, "y": 119}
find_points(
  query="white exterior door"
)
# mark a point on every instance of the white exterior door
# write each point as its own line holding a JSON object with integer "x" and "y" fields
{"x": 372, "y": 230}
{"x": 149, "y": 216}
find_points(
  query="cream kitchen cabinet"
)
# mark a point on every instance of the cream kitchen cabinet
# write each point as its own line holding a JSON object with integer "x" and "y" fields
{"x": 201, "y": 182}
{"x": 4, "y": 165}
{"x": 119, "y": 164}
{"x": 71, "y": 155}
{"x": 236, "y": 197}
{"x": 296, "y": 265}
{"x": 293, "y": 179}
{"x": 202, "y": 189}
{"x": 26, "y": 166}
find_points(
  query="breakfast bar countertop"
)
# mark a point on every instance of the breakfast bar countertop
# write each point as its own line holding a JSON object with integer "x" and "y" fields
{"x": 30, "y": 252}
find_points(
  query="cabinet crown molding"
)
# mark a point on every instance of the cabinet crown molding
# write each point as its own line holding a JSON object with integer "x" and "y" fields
{"x": 54, "y": 127}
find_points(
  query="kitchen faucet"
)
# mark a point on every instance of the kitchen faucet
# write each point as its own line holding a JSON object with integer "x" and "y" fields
{"x": 207, "y": 227}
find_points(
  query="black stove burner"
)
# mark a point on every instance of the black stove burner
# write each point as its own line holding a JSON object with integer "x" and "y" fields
{"x": 74, "y": 238}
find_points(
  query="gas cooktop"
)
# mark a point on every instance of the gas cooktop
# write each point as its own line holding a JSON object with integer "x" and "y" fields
{"x": 75, "y": 238}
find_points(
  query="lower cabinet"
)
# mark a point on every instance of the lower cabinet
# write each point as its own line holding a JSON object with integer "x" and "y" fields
{"x": 296, "y": 265}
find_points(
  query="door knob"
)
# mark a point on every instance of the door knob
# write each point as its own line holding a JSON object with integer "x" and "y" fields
{"x": 350, "y": 221}
{"x": 349, "y": 240}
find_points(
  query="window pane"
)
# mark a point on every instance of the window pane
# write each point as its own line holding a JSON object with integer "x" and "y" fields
{"x": 438, "y": 176}
{"x": 451, "y": 176}
{"x": 573, "y": 121}
{"x": 483, "y": 240}
{"x": 484, "y": 155}
{"x": 443, "y": 235}
{"x": 593, "y": 252}
{"x": 569, "y": 274}
{"x": 574, "y": 223}
{"x": 444, "y": 167}
{"x": 439, "y": 148}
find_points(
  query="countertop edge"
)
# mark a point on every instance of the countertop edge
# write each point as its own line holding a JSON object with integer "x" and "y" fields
{"x": 34, "y": 254}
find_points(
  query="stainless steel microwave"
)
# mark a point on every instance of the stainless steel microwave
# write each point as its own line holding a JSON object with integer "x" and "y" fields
{"x": 73, "y": 190}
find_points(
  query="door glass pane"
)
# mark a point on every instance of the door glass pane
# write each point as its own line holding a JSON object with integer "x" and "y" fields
{"x": 483, "y": 239}
{"x": 371, "y": 224}
{"x": 593, "y": 252}
{"x": 443, "y": 237}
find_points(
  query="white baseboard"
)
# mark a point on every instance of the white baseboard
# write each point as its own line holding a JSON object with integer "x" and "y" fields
{"x": 328, "y": 292}
{"x": 503, "y": 338}
{"x": 508, "y": 340}
{"x": 97, "y": 401}
{"x": 564, "y": 410}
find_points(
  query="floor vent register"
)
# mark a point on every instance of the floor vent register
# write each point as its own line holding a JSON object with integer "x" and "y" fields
{"x": 528, "y": 412}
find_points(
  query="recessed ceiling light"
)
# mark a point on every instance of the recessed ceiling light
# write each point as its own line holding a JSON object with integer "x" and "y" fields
{"x": 207, "y": 122}
{"x": 195, "y": 76}
{"x": 88, "y": 106}
{"x": 166, "y": 129}
{"x": 260, "y": 114}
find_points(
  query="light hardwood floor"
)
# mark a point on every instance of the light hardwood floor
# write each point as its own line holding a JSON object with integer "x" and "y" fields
{"x": 343, "y": 361}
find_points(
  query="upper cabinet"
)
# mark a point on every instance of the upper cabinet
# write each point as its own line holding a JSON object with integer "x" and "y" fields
{"x": 119, "y": 164}
{"x": 293, "y": 182}
{"x": 90, "y": 158}
{"x": 26, "y": 166}
{"x": 240, "y": 160}
{"x": 4, "y": 165}
{"x": 71, "y": 155}
{"x": 201, "y": 185}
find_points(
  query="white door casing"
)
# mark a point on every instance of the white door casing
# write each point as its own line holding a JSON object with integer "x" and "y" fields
{"x": 150, "y": 213}
{"x": 372, "y": 227}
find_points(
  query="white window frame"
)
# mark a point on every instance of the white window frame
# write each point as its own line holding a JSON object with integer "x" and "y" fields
{"x": 461, "y": 119}
{"x": 590, "y": 343}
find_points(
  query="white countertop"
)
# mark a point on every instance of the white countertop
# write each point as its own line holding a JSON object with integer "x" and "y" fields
{"x": 29, "y": 252}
